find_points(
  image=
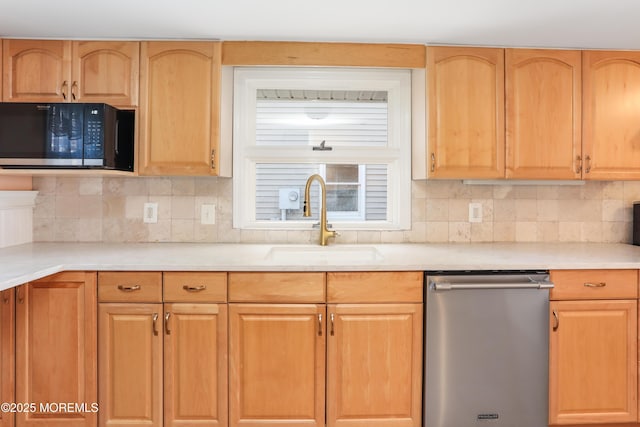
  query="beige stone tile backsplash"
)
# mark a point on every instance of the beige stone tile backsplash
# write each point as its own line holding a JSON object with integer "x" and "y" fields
{"x": 110, "y": 210}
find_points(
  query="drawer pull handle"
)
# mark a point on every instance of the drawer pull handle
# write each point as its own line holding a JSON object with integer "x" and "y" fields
{"x": 556, "y": 320}
{"x": 155, "y": 324}
{"x": 595, "y": 285}
{"x": 194, "y": 288}
{"x": 320, "y": 324}
{"x": 132, "y": 288}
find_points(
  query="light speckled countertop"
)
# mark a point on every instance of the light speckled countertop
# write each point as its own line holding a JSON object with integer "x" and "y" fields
{"x": 20, "y": 264}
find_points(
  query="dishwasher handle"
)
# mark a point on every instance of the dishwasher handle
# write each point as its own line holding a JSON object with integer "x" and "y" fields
{"x": 444, "y": 286}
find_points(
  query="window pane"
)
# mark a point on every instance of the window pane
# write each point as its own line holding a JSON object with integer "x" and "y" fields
{"x": 306, "y": 118}
{"x": 342, "y": 173}
{"x": 342, "y": 198}
{"x": 354, "y": 198}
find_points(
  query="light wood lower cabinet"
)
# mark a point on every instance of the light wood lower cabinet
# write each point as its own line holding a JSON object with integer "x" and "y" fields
{"x": 56, "y": 350}
{"x": 130, "y": 366}
{"x": 374, "y": 369}
{"x": 593, "y": 348}
{"x": 162, "y": 364}
{"x": 292, "y": 361}
{"x": 7, "y": 354}
{"x": 277, "y": 364}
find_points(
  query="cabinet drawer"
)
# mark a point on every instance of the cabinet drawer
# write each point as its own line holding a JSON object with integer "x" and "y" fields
{"x": 130, "y": 286}
{"x": 195, "y": 286}
{"x": 372, "y": 287}
{"x": 594, "y": 284}
{"x": 277, "y": 287}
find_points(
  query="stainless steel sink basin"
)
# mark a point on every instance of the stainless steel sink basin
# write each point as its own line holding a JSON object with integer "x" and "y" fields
{"x": 324, "y": 255}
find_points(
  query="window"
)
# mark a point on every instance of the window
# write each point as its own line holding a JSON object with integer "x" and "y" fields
{"x": 350, "y": 126}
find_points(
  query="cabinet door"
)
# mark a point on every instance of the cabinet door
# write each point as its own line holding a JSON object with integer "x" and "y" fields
{"x": 374, "y": 369}
{"x": 611, "y": 109}
{"x": 179, "y": 108}
{"x": 195, "y": 365}
{"x": 466, "y": 112}
{"x": 593, "y": 362}
{"x": 36, "y": 70}
{"x": 130, "y": 365}
{"x": 277, "y": 365}
{"x": 56, "y": 349}
{"x": 7, "y": 354}
{"x": 106, "y": 72}
{"x": 543, "y": 108}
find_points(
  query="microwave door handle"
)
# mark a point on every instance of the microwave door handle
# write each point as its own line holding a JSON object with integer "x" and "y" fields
{"x": 117, "y": 136}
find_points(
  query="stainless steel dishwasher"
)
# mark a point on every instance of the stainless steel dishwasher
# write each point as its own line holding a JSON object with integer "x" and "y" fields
{"x": 486, "y": 349}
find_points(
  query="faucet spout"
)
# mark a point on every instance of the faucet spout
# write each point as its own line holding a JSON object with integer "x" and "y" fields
{"x": 325, "y": 233}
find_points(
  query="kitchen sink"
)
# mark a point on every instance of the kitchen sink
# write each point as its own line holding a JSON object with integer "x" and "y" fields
{"x": 324, "y": 255}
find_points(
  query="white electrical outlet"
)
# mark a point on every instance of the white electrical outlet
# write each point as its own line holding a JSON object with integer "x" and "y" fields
{"x": 208, "y": 214}
{"x": 150, "y": 213}
{"x": 475, "y": 212}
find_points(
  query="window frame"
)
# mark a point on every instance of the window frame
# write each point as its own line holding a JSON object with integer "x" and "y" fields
{"x": 396, "y": 155}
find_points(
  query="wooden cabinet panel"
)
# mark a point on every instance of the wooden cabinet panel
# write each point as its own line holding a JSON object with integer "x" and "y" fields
{"x": 594, "y": 284}
{"x": 36, "y": 70}
{"x": 195, "y": 365}
{"x": 611, "y": 83}
{"x": 179, "y": 108}
{"x": 543, "y": 114}
{"x": 277, "y": 287}
{"x": 369, "y": 287}
{"x": 7, "y": 354}
{"x": 277, "y": 365}
{"x": 106, "y": 72}
{"x": 593, "y": 362}
{"x": 56, "y": 348}
{"x": 374, "y": 365}
{"x": 466, "y": 112}
{"x": 130, "y": 365}
{"x": 192, "y": 286}
{"x": 130, "y": 286}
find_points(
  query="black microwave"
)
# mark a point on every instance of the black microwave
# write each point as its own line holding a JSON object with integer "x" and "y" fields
{"x": 66, "y": 136}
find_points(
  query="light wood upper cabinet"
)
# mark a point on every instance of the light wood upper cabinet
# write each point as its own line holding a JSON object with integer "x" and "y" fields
{"x": 466, "y": 112}
{"x": 593, "y": 362}
{"x": 106, "y": 72}
{"x": 277, "y": 364}
{"x": 7, "y": 354}
{"x": 65, "y": 71}
{"x": 611, "y": 107}
{"x": 56, "y": 344}
{"x": 543, "y": 114}
{"x": 179, "y": 108}
{"x": 36, "y": 70}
